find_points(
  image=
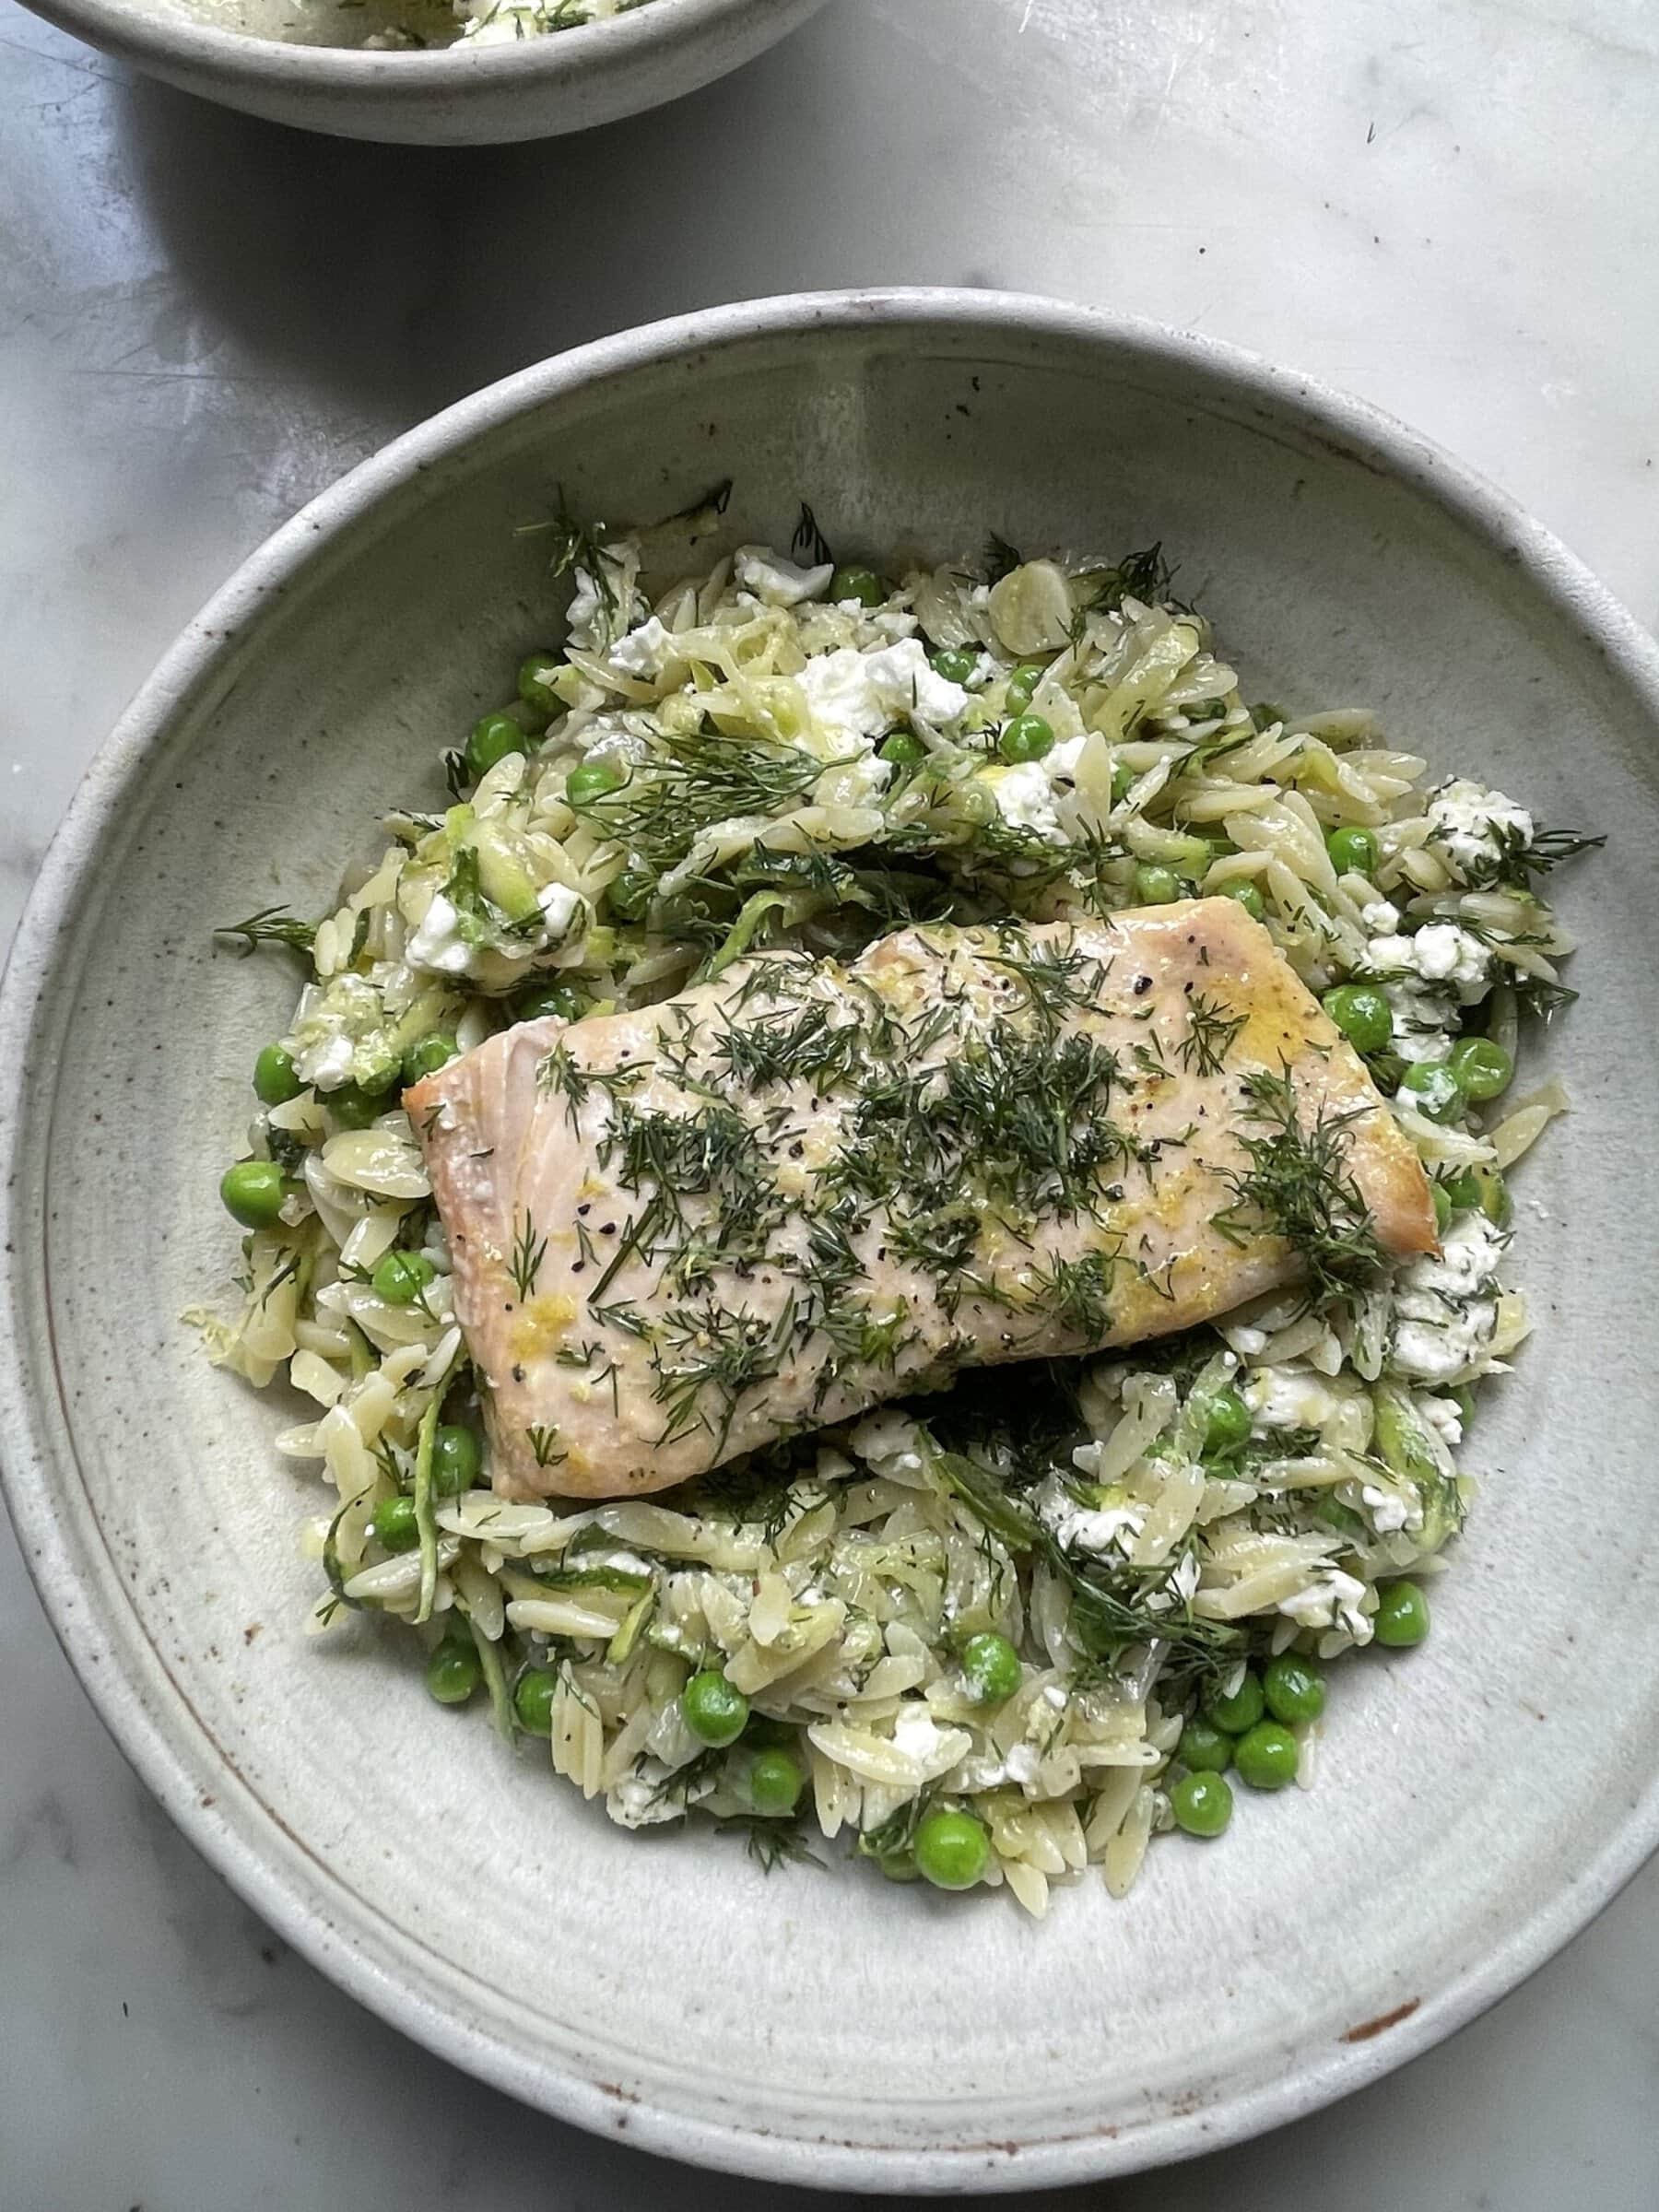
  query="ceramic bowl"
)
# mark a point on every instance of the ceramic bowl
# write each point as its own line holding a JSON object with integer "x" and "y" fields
{"x": 263, "y": 57}
{"x": 1478, "y": 1800}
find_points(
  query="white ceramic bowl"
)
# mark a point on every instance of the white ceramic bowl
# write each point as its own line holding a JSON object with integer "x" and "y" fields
{"x": 485, "y": 95}
{"x": 1479, "y": 1800}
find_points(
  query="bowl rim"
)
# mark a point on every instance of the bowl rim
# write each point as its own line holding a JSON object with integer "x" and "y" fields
{"x": 238, "y": 1835}
{"x": 181, "y": 43}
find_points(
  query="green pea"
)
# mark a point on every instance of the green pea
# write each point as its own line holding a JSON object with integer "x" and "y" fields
{"x": 1123, "y": 781}
{"x": 899, "y": 1866}
{"x": 992, "y": 1666}
{"x": 1485, "y": 1188}
{"x": 1362, "y": 1014}
{"x": 1401, "y": 1618}
{"x": 1156, "y": 885}
{"x": 630, "y": 893}
{"x": 275, "y": 1079}
{"x": 716, "y": 1710}
{"x": 591, "y": 780}
{"x": 1433, "y": 1089}
{"x": 533, "y": 1699}
{"x": 555, "y": 997}
{"x": 536, "y": 682}
{"x": 1482, "y": 1067}
{"x": 775, "y": 1784}
{"x": 1443, "y": 1209}
{"x": 1239, "y": 1712}
{"x": 859, "y": 584}
{"x": 426, "y": 1057}
{"x": 1248, "y": 894}
{"x": 956, "y": 664}
{"x": 1353, "y": 851}
{"x": 452, "y": 1672}
{"x": 1022, "y": 684}
{"x": 1027, "y": 737}
{"x": 253, "y": 1191}
{"x": 1204, "y": 1749}
{"x": 1294, "y": 1689}
{"x": 394, "y": 1524}
{"x": 352, "y": 1107}
{"x": 952, "y": 1850}
{"x": 400, "y": 1277}
{"x": 490, "y": 739}
{"x": 1266, "y": 1756}
{"x": 1201, "y": 1804}
{"x": 903, "y": 747}
{"x": 1227, "y": 1421}
{"x": 458, "y": 1460}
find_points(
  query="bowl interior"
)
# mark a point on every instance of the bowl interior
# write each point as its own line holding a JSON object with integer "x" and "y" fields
{"x": 824, "y": 2021}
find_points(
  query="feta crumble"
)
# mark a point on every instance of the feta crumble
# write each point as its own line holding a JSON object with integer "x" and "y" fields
{"x": 1446, "y": 1307}
{"x": 1472, "y": 828}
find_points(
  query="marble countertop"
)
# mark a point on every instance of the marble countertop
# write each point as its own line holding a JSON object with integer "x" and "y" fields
{"x": 1450, "y": 206}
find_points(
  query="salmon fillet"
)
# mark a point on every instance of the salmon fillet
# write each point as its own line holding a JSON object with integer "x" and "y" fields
{"x": 801, "y": 1188}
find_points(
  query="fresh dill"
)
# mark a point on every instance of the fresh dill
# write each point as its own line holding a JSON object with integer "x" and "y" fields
{"x": 809, "y": 542}
{"x": 1298, "y": 1185}
{"x": 529, "y": 1252}
{"x": 1001, "y": 559}
{"x": 771, "y": 1843}
{"x": 1209, "y": 1037}
{"x": 544, "y": 1445}
{"x": 271, "y": 926}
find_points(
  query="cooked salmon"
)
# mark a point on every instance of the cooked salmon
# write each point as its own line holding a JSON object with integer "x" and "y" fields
{"x": 801, "y": 1188}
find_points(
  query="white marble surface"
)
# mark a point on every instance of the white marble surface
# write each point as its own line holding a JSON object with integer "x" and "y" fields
{"x": 1449, "y": 206}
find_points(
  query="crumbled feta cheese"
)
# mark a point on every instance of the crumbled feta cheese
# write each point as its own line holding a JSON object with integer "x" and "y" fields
{"x": 1445, "y": 954}
{"x": 776, "y": 581}
{"x": 1381, "y": 917}
{"x": 1446, "y": 1307}
{"x": 1334, "y": 1597}
{"x": 437, "y": 946}
{"x": 1425, "y": 978}
{"x": 1472, "y": 828}
{"x": 1078, "y": 1528}
{"x": 855, "y": 695}
{"x": 1285, "y": 1397}
{"x": 915, "y": 1732}
{"x": 650, "y": 1796}
{"x": 1025, "y": 797}
{"x": 646, "y": 651}
{"x": 326, "y": 1065}
{"x": 1387, "y": 1511}
{"x": 1063, "y": 760}
{"x": 1021, "y": 1763}
{"x": 559, "y": 906}
{"x": 587, "y": 621}
{"x": 905, "y": 677}
{"x": 1443, "y": 1416}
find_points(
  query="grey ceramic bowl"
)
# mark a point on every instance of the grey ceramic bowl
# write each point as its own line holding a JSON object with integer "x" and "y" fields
{"x": 263, "y": 56}
{"x": 1479, "y": 1800}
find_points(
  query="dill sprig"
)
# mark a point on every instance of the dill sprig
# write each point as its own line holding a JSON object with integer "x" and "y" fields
{"x": 809, "y": 540}
{"x": 692, "y": 781}
{"x": 1210, "y": 1033}
{"x": 1000, "y": 558}
{"x": 529, "y": 1252}
{"x": 1298, "y": 1186}
{"x": 271, "y": 926}
{"x": 771, "y": 1843}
